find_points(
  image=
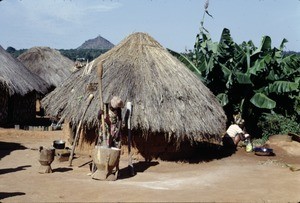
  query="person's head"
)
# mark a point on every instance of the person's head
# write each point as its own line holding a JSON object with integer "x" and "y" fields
{"x": 239, "y": 120}
{"x": 116, "y": 102}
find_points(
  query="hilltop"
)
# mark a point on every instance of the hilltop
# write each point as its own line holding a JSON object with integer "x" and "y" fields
{"x": 96, "y": 43}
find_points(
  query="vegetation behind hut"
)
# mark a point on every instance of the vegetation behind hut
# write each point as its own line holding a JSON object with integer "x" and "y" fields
{"x": 73, "y": 54}
{"x": 262, "y": 83}
{"x": 88, "y": 51}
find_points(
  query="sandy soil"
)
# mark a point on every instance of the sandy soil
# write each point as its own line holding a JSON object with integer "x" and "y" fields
{"x": 240, "y": 177}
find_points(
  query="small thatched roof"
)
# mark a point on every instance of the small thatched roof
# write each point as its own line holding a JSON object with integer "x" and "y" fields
{"x": 17, "y": 77}
{"x": 47, "y": 63}
{"x": 167, "y": 97}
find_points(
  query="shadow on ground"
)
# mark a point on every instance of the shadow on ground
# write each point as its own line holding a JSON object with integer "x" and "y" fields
{"x": 138, "y": 167}
{"x": 12, "y": 170}
{"x": 210, "y": 152}
{"x": 200, "y": 152}
{"x": 4, "y": 195}
{"x": 7, "y": 147}
{"x": 62, "y": 169}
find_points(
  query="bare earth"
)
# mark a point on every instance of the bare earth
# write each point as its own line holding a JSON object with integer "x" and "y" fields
{"x": 241, "y": 177}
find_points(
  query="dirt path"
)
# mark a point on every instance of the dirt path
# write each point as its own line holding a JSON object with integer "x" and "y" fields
{"x": 241, "y": 177}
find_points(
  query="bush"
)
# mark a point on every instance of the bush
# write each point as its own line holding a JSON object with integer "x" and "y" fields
{"x": 272, "y": 124}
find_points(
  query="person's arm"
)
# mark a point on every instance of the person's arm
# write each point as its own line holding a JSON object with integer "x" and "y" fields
{"x": 100, "y": 113}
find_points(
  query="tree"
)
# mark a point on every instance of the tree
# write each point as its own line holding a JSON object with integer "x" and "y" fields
{"x": 247, "y": 79}
{"x": 11, "y": 50}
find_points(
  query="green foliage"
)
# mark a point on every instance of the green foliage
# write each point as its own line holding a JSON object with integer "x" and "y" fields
{"x": 262, "y": 101}
{"x": 255, "y": 80}
{"x": 10, "y": 50}
{"x": 14, "y": 52}
{"x": 185, "y": 60}
{"x": 87, "y": 54}
{"x": 73, "y": 54}
{"x": 272, "y": 124}
{"x": 248, "y": 79}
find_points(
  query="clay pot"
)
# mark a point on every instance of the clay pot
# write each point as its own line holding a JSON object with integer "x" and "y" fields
{"x": 46, "y": 158}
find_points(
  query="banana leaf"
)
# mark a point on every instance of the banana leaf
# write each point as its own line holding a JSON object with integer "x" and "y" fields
{"x": 265, "y": 46}
{"x": 248, "y": 57}
{"x": 282, "y": 86}
{"x": 185, "y": 61}
{"x": 265, "y": 43}
{"x": 226, "y": 71}
{"x": 272, "y": 76}
{"x": 223, "y": 99}
{"x": 258, "y": 67}
{"x": 291, "y": 65}
{"x": 202, "y": 65}
{"x": 260, "y": 100}
{"x": 282, "y": 44}
{"x": 243, "y": 78}
{"x": 229, "y": 81}
{"x": 210, "y": 65}
{"x": 225, "y": 43}
{"x": 267, "y": 58}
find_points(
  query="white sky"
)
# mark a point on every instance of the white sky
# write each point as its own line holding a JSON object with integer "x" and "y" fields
{"x": 66, "y": 24}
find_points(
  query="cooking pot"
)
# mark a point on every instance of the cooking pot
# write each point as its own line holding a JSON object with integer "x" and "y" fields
{"x": 59, "y": 144}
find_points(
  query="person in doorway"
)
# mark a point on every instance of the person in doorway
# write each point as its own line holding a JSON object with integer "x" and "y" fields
{"x": 113, "y": 121}
{"x": 235, "y": 133}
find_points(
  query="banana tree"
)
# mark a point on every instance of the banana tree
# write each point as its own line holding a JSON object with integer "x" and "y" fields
{"x": 276, "y": 79}
{"x": 245, "y": 78}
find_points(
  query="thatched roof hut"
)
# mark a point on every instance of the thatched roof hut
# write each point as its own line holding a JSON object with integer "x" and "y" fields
{"x": 47, "y": 63}
{"x": 169, "y": 101}
{"x": 18, "y": 88}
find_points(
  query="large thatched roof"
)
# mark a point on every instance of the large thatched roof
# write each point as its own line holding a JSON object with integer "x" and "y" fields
{"x": 167, "y": 97}
{"x": 48, "y": 63}
{"x": 17, "y": 78}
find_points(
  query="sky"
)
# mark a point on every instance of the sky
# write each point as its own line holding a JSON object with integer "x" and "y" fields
{"x": 66, "y": 24}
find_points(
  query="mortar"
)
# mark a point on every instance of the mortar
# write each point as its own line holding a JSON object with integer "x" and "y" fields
{"x": 106, "y": 160}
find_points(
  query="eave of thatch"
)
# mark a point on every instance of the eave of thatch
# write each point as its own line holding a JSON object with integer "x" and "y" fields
{"x": 47, "y": 63}
{"x": 17, "y": 77}
{"x": 167, "y": 97}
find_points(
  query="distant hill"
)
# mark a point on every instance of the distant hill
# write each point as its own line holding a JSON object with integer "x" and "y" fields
{"x": 96, "y": 43}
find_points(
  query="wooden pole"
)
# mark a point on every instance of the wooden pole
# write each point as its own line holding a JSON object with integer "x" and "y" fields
{"x": 91, "y": 96}
{"x": 130, "y": 164}
{"x": 102, "y": 124}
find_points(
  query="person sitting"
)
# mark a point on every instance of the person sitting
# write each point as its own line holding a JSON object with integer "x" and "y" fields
{"x": 235, "y": 133}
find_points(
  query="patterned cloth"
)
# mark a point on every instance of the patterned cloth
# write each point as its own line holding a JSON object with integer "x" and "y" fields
{"x": 113, "y": 124}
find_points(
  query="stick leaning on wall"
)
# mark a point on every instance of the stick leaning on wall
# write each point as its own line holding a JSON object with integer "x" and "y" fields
{"x": 91, "y": 96}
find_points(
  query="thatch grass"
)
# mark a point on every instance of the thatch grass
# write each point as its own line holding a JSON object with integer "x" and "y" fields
{"x": 17, "y": 77}
{"x": 167, "y": 97}
{"x": 47, "y": 63}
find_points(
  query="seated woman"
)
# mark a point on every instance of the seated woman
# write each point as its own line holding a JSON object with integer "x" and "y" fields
{"x": 235, "y": 133}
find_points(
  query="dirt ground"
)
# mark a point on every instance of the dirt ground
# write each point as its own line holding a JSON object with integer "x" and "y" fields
{"x": 240, "y": 177}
